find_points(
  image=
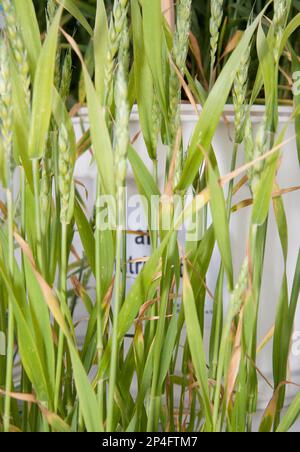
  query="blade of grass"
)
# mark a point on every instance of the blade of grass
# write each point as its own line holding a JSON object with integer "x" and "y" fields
{"x": 143, "y": 79}
{"x": 290, "y": 417}
{"x": 73, "y": 9}
{"x": 195, "y": 340}
{"x": 42, "y": 92}
{"x": 154, "y": 41}
{"x": 100, "y": 47}
{"x": 87, "y": 397}
{"x": 220, "y": 222}
{"x": 28, "y": 349}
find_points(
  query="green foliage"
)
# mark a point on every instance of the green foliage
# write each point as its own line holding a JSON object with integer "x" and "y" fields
{"x": 145, "y": 344}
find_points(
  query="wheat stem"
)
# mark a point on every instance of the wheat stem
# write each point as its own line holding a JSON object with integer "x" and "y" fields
{"x": 121, "y": 148}
{"x": 99, "y": 299}
{"x": 65, "y": 169}
{"x": 7, "y": 144}
{"x": 10, "y": 328}
{"x": 38, "y": 223}
{"x": 63, "y": 289}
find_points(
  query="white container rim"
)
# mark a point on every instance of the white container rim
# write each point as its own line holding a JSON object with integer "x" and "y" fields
{"x": 188, "y": 113}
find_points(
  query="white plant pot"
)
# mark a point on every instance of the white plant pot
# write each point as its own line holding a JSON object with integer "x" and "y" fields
{"x": 289, "y": 175}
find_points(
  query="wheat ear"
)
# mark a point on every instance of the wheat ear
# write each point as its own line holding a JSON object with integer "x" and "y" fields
{"x": 17, "y": 46}
{"x": 240, "y": 94}
{"x": 280, "y": 7}
{"x": 179, "y": 55}
{"x": 116, "y": 28}
{"x": 6, "y": 112}
{"x": 214, "y": 27}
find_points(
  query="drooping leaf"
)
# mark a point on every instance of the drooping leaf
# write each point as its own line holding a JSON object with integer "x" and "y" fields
{"x": 73, "y": 9}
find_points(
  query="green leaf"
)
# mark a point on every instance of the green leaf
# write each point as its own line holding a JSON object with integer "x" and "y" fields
{"x": 28, "y": 348}
{"x": 168, "y": 348}
{"x": 57, "y": 424}
{"x": 294, "y": 295}
{"x": 42, "y": 92}
{"x": 145, "y": 183}
{"x": 282, "y": 225}
{"x": 144, "y": 180}
{"x": 290, "y": 417}
{"x": 86, "y": 395}
{"x": 201, "y": 258}
{"x": 154, "y": 40}
{"x": 73, "y": 9}
{"x": 136, "y": 297}
{"x": 264, "y": 191}
{"x": 86, "y": 235}
{"x": 263, "y": 194}
{"x": 143, "y": 80}
{"x": 41, "y": 316}
{"x": 195, "y": 341}
{"x": 100, "y": 47}
{"x": 266, "y": 59}
{"x": 220, "y": 223}
{"x": 281, "y": 336}
{"x": 291, "y": 27}
{"x": 296, "y": 71}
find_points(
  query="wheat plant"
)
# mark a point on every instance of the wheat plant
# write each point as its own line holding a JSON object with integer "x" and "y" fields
{"x": 145, "y": 357}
